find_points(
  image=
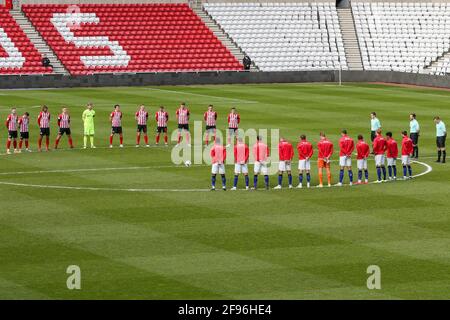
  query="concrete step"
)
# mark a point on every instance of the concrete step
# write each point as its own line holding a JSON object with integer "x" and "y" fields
{"x": 350, "y": 39}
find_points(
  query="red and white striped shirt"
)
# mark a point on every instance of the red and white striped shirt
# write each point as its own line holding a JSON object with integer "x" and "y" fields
{"x": 210, "y": 118}
{"x": 44, "y": 119}
{"x": 116, "y": 118}
{"x": 183, "y": 116}
{"x": 233, "y": 120}
{"x": 24, "y": 124}
{"x": 161, "y": 118}
{"x": 142, "y": 117}
{"x": 64, "y": 121}
{"x": 11, "y": 122}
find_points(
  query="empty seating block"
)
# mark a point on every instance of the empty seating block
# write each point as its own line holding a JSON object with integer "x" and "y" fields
{"x": 401, "y": 36}
{"x": 17, "y": 54}
{"x": 95, "y": 38}
{"x": 284, "y": 36}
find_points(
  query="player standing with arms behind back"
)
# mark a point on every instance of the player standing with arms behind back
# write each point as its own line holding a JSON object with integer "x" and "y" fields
{"x": 414, "y": 130}
{"x": 325, "y": 148}
{"x": 261, "y": 155}
{"x": 305, "y": 152}
{"x": 441, "y": 135}
{"x": 241, "y": 155}
{"x": 233, "y": 125}
{"x": 141, "y": 117}
{"x": 210, "y": 117}
{"x": 183, "y": 123}
{"x": 116, "y": 125}
{"x": 407, "y": 152}
{"x": 285, "y": 155}
{"x": 391, "y": 155}
{"x": 218, "y": 156}
{"x": 88, "y": 123}
{"x": 44, "y": 126}
{"x": 161, "y": 117}
{"x": 11, "y": 126}
{"x": 24, "y": 127}
{"x": 375, "y": 125}
{"x": 363, "y": 151}
{"x": 64, "y": 128}
{"x": 346, "y": 146}
{"x": 379, "y": 147}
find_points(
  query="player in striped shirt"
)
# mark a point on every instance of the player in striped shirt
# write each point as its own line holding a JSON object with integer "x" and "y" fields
{"x": 210, "y": 117}
{"x": 44, "y": 128}
{"x": 183, "y": 122}
{"x": 116, "y": 125}
{"x": 11, "y": 125}
{"x": 141, "y": 117}
{"x": 24, "y": 124}
{"x": 64, "y": 127}
{"x": 161, "y": 117}
{"x": 241, "y": 155}
{"x": 233, "y": 125}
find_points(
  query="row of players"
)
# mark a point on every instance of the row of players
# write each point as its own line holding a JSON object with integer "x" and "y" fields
{"x": 18, "y": 126}
{"x": 384, "y": 147}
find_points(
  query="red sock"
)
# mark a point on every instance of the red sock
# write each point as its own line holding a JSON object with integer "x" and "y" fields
{"x": 165, "y": 138}
{"x": 8, "y": 144}
{"x": 40, "y": 143}
{"x": 207, "y": 139}
{"x": 121, "y": 140}
{"x": 56, "y": 143}
{"x": 20, "y": 144}
{"x": 71, "y": 142}
{"x": 27, "y": 144}
{"x": 47, "y": 142}
{"x": 111, "y": 139}
{"x": 157, "y": 138}
{"x": 187, "y": 137}
{"x": 15, "y": 144}
{"x": 146, "y": 139}
{"x": 179, "y": 137}
{"x": 138, "y": 138}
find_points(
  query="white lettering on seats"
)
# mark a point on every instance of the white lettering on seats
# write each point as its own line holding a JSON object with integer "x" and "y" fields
{"x": 15, "y": 58}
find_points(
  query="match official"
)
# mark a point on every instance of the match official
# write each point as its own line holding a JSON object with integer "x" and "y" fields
{"x": 375, "y": 124}
{"x": 414, "y": 130}
{"x": 441, "y": 135}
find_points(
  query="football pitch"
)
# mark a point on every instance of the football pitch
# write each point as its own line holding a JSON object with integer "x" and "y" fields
{"x": 141, "y": 227}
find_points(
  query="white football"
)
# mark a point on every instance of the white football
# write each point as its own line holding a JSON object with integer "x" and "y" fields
{"x": 187, "y": 163}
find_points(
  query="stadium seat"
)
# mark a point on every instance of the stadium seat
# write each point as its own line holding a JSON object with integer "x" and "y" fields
{"x": 130, "y": 38}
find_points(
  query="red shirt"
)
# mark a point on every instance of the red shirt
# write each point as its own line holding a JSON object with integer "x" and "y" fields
{"x": 241, "y": 153}
{"x": 391, "y": 148}
{"x": 407, "y": 146}
{"x": 260, "y": 151}
{"x": 379, "y": 145}
{"x": 346, "y": 145}
{"x": 325, "y": 147}
{"x": 285, "y": 151}
{"x": 305, "y": 150}
{"x": 218, "y": 154}
{"x": 362, "y": 149}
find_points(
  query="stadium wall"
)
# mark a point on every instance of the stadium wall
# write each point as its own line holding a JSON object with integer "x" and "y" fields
{"x": 196, "y": 78}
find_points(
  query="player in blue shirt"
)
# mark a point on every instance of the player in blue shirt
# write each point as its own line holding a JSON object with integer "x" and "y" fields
{"x": 414, "y": 130}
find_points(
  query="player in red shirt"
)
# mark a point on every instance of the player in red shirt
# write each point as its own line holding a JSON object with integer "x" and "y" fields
{"x": 11, "y": 126}
{"x": 391, "y": 155}
{"x": 218, "y": 155}
{"x": 183, "y": 114}
{"x": 346, "y": 146}
{"x": 116, "y": 125}
{"x": 305, "y": 152}
{"x": 285, "y": 154}
{"x": 233, "y": 124}
{"x": 241, "y": 155}
{"x": 44, "y": 128}
{"x": 210, "y": 117}
{"x": 261, "y": 156}
{"x": 64, "y": 127}
{"x": 379, "y": 147}
{"x": 161, "y": 117}
{"x": 407, "y": 151}
{"x": 363, "y": 151}
{"x": 141, "y": 117}
{"x": 325, "y": 148}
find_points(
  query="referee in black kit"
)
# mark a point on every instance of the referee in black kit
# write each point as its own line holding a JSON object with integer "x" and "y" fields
{"x": 414, "y": 130}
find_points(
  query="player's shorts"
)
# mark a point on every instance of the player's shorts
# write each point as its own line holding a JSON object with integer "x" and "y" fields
{"x": 361, "y": 164}
{"x": 406, "y": 160}
{"x": 284, "y": 166}
{"x": 391, "y": 161}
{"x": 379, "y": 160}
{"x": 218, "y": 168}
{"x": 233, "y": 131}
{"x": 322, "y": 164}
{"x": 161, "y": 129}
{"x": 44, "y": 131}
{"x": 260, "y": 167}
{"x": 345, "y": 161}
{"x": 209, "y": 128}
{"x": 240, "y": 168}
{"x": 116, "y": 130}
{"x": 183, "y": 127}
{"x": 89, "y": 131}
{"x": 12, "y": 134}
{"x": 142, "y": 128}
{"x": 63, "y": 131}
{"x": 24, "y": 135}
{"x": 440, "y": 141}
{"x": 304, "y": 164}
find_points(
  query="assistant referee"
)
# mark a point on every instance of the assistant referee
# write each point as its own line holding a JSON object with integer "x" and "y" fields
{"x": 414, "y": 130}
{"x": 441, "y": 135}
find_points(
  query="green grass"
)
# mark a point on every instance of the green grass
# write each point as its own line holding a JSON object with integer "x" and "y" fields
{"x": 288, "y": 244}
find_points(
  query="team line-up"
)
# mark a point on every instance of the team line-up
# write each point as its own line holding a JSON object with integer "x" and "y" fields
{"x": 382, "y": 146}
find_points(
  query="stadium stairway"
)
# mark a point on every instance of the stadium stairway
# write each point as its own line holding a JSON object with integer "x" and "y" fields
{"x": 439, "y": 66}
{"x": 38, "y": 41}
{"x": 220, "y": 33}
{"x": 351, "y": 46}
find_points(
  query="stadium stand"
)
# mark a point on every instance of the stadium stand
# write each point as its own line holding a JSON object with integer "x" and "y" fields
{"x": 284, "y": 36}
{"x": 17, "y": 54}
{"x": 402, "y": 36}
{"x": 96, "y": 38}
